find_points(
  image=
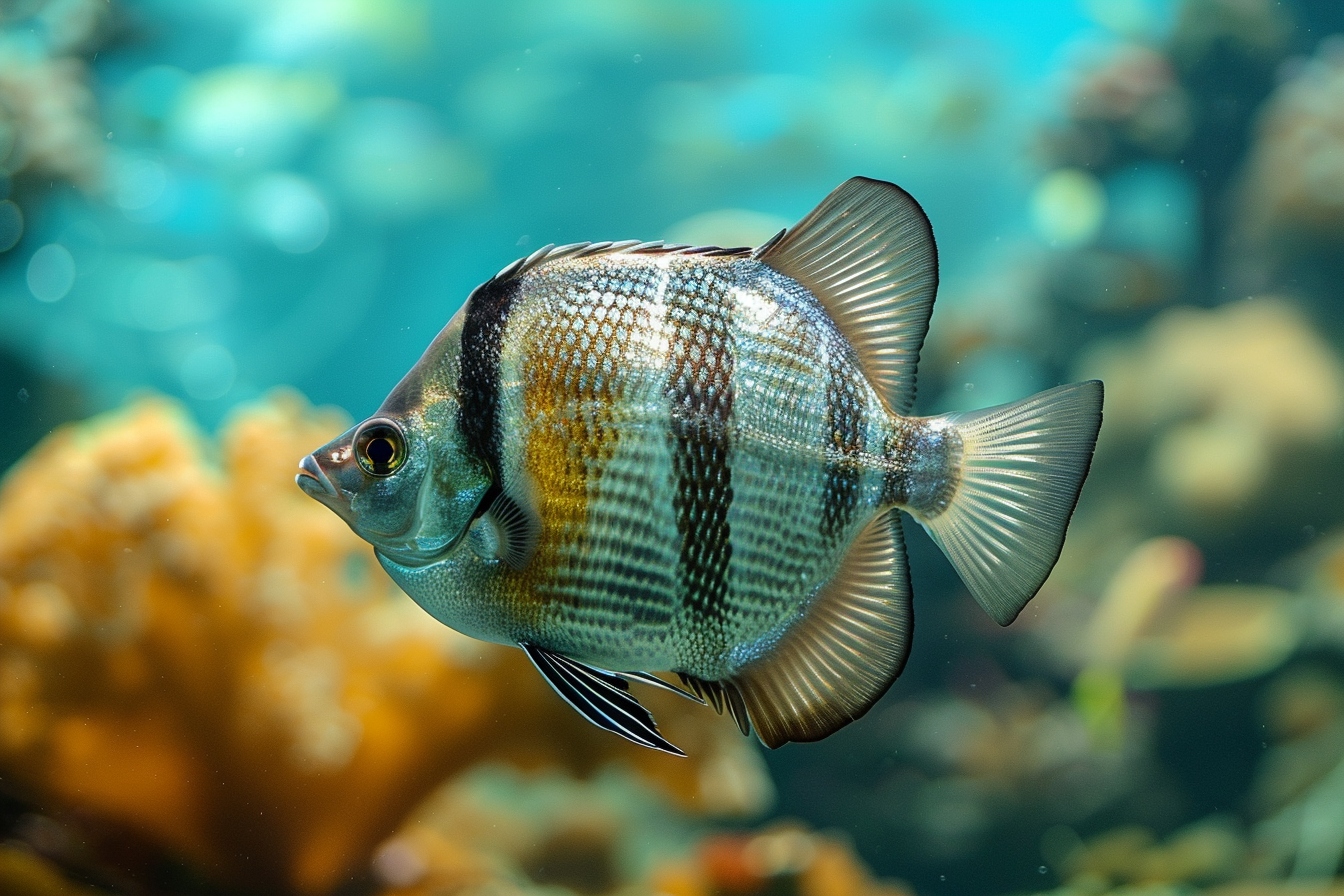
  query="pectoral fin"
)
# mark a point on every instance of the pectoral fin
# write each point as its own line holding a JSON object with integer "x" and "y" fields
{"x": 601, "y": 697}
{"x": 514, "y": 530}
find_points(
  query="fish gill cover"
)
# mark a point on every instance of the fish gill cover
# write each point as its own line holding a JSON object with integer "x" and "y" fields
{"x": 207, "y": 687}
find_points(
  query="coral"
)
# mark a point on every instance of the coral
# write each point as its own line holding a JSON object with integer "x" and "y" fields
{"x": 1294, "y": 178}
{"x": 1168, "y": 633}
{"x": 1001, "y": 756}
{"x": 494, "y": 825}
{"x": 1214, "y": 635}
{"x": 1209, "y": 851}
{"x": 1125, "y": 104}
{"x": 1187, "y": 97}
{"x": 1298, "y": 794}
{"x": 530, "y": 832}
{"x": 48, "y": 115}
{"x": 195, "y": 656}
{"x": 496, "y": 829}
{"x": 1326, "y": 569}
{"x": 46, "y": 107}
{"x": 1154, "y": 628}
{"x": 1149, "y": 577}
{"x": 783, "y": 858}
{"x": 1258, "y": 28}
{"x": 1229, "y": 394}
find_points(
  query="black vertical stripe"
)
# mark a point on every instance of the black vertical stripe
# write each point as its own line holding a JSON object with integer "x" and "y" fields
{"x": 487, "y": 314}
{"x": 895, "y": 483}
{"x": 700, "y": 395}
{"x": 923, "y": 467}
{"x": 845, "y": 423}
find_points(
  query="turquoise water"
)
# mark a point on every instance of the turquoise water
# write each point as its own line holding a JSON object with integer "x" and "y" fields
{"x": 211, "y": 199}
{"x": 336, "y": 188}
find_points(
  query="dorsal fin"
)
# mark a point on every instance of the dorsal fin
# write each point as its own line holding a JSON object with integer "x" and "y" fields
{"x": 551, "y": 252}
{"x": 834, "y": 663}
{"x": 867, "y": 253}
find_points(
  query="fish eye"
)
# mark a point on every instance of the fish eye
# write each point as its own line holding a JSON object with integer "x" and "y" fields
{"x": 380, "y": 448}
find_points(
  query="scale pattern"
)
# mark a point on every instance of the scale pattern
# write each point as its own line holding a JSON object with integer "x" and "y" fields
{"x": 700, "y": 395}
{"x": 690, "y": 431}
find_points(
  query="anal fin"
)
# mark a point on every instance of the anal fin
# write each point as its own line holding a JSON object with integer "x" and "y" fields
{"x": 601, "y": 697}
{"x": 654, "y": 681}
{"x": 720, "y": 694}
{"x": 834, "y": 663}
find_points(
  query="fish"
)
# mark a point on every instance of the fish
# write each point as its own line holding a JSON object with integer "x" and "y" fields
{"x": 632, "y": 457}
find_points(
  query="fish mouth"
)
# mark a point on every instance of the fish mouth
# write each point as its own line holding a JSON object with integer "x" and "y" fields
{"x": 316, "y": 484}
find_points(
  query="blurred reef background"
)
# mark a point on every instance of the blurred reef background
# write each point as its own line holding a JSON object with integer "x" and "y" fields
{"x": 212, "y": 209}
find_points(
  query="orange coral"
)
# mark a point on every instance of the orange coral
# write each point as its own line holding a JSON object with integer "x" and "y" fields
{"x": 782, "y": 858}
{"x": 200, "y": 657}
{"x": 546, "y": 833}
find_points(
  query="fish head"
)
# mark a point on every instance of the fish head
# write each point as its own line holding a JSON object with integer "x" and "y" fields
{"x": 404, "y": 479}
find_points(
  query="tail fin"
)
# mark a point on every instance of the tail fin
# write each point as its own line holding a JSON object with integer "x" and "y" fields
{"x": 1022, "y": 467}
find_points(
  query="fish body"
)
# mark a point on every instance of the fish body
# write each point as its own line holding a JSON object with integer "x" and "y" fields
{"x": 699, "y": 446}
{"x": 637, "y": 457}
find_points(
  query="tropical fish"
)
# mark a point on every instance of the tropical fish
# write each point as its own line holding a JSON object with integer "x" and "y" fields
{"x": 629, "y": 456}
